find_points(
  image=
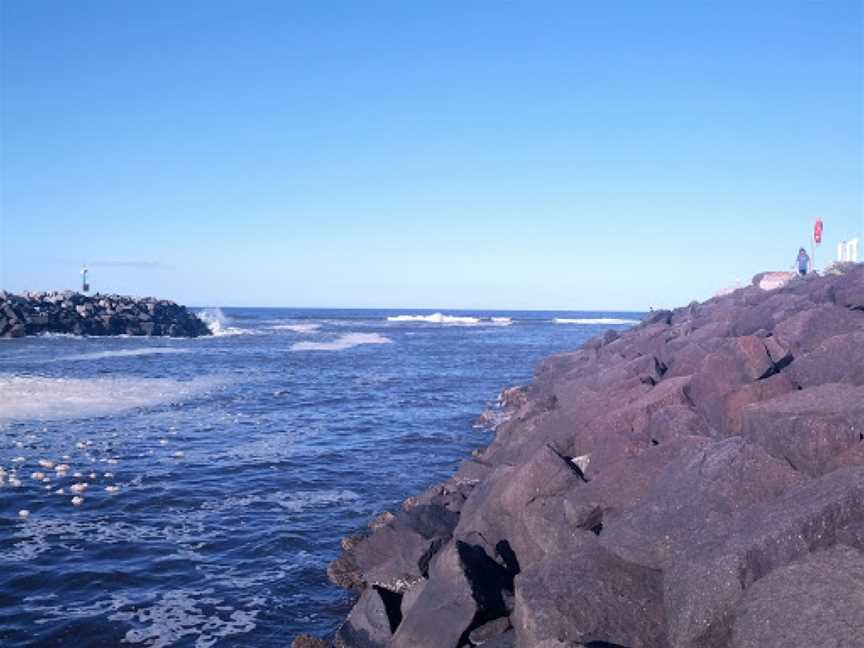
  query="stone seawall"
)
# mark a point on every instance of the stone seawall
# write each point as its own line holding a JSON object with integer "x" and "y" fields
{"x": 694, "y": 482}
{"x": 77, "y": 314}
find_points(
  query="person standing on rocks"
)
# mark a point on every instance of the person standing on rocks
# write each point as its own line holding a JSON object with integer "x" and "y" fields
{"x": 803, "y": 262}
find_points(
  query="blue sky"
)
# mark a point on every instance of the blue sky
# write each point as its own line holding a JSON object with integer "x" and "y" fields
{"x": 444, "y": 154}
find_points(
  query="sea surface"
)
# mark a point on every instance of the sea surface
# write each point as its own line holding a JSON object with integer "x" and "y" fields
{"x": 217, "y": 475}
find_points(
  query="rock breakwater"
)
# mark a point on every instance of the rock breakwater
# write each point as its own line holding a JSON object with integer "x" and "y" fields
{"x": 694, "y": 482}
{"x": 77, "y": 314}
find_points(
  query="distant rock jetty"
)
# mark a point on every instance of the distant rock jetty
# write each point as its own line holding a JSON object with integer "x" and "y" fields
{"x": 694, "y": 482}
{"x": 77, "y": 314}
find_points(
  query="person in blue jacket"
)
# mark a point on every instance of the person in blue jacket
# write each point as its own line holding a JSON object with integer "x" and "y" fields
{"x": 803, "y": 262}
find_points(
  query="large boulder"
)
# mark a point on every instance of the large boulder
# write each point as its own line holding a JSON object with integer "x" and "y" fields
{"x": 702, "y": 587}
{"x": 807, "y": 329}
{"x": 589, "y": 596}
{"x": 696, "y": 499}
{"x": 465, "y": 590}
{"x": 397, "y": 554}
{"x": 839, "y": 359}
{"x": 849, "y": 289}
{"x": 740, "y": 361}
{"x": 808, "y": 428}
{"x": 370, "y": 623}
{"x": 816, "y": 601}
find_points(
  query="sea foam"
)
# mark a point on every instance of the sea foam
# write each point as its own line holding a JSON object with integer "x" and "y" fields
{"x": 41, "y": 398}
{"x": 296, "y": 328}
{"x": 342, "y": 342}
{"x": 123, "y": 353}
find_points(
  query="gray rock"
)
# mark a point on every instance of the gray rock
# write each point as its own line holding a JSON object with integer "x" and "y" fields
{"x": 589, "y": 596}
{"x": 369, "y": 625}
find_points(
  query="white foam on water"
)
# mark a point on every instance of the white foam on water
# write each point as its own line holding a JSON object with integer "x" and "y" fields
{"x": 598, "y": 321}
{"x": 502, "y": 321}
{"x": 435, "y": 318}
{"x": 124, "y": 353}
{"x": 41, "y": 398}
{"x": 296, "y": 328}
{"x": 180, "y": 613}
{"x": 217, "y": 322}
{"x": 343, "y": 342}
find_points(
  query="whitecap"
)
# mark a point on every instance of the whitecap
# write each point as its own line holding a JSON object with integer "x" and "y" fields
{"x": 42, "y": 398}
{"x": 596, "y": 321}
{"x": 435, "y": 318}
{"x": 343, "y": 342}
{"x": 124, "y": 353}
{"x": 502, "y": 321}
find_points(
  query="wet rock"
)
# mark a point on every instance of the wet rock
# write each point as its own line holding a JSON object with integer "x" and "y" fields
{"x": 308, "y": 641}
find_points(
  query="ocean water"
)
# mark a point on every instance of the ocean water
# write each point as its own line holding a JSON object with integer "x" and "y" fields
{"x": 217, "y": 475}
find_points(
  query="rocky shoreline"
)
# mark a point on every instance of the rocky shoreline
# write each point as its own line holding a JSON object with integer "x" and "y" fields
{"x": 73, "y": 313}
{"x": 694, "y": 482}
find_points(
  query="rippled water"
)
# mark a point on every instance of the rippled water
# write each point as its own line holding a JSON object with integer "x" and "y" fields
{"x": 222, "y": 472}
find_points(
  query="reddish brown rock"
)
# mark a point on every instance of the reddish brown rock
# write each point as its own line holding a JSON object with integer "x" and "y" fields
{"x": 808, "y": 428}
{"x": 694, "y": 482}
{"x": 817, "y": 601}
{"x": 591, "y": 596}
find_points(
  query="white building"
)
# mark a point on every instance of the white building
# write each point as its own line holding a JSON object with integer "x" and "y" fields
{"x": 848, "y": 251}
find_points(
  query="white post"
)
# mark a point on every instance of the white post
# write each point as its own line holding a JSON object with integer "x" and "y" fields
{"x": 852, "y": 250}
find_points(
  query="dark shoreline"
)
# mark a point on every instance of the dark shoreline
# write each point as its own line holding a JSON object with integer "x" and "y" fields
{"x": 667, "y": 486}
{"x": 74, "y": 313}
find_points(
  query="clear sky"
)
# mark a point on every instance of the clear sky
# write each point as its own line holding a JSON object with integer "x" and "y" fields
{"x": 581, "y": 155}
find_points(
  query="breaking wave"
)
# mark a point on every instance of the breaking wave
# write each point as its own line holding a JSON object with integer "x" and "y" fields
{"x": 597, "y": 321}
{"x": 440, "y": 318}
{"x": 342, "y": 342}
{"x": 217, "y": 322}
{"x": 453, "y": 320}
{"x": 40, "y": 398}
